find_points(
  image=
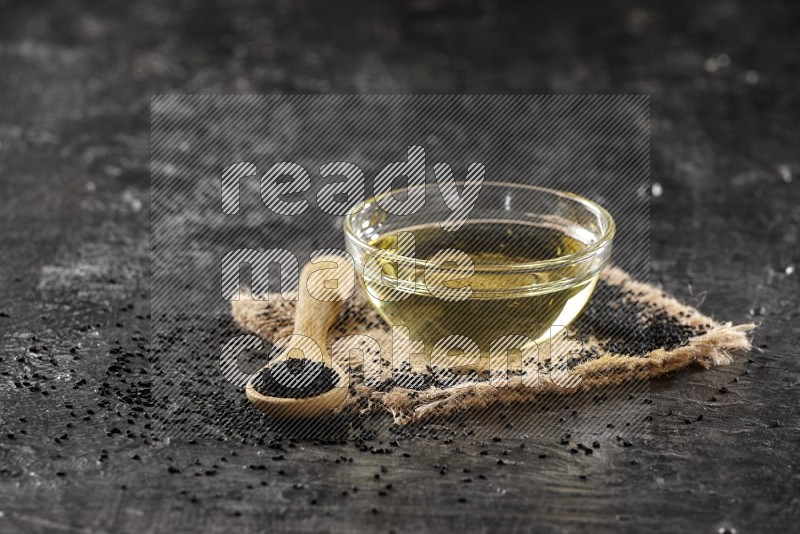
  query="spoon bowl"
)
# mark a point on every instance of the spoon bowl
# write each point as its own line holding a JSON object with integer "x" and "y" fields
{"x": 319, "y": 302}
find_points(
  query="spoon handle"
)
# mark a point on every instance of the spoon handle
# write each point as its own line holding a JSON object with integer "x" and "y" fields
{"x": 322, "y": 288}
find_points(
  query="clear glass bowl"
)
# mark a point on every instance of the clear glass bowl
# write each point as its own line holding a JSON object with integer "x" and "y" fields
{"x": 536, "y": 255}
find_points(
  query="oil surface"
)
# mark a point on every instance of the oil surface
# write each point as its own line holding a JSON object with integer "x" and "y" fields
{"x": 503, "y": 301}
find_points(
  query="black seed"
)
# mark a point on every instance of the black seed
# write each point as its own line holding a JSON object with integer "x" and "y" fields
{"x": 295, "y": 378}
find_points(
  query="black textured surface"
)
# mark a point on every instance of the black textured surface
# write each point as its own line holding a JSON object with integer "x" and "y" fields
{"x": 74, "y": 166}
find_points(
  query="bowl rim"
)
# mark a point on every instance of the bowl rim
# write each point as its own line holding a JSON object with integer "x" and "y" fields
{"x": 590, "y": 250}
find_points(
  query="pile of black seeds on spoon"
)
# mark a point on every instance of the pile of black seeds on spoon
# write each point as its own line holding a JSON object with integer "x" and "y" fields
{"x": 295, "y": 379}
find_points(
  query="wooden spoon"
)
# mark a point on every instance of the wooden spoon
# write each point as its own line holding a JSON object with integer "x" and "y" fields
{"x": 314, "y": 317}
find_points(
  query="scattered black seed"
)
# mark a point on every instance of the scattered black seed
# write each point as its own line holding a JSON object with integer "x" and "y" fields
{"x": 632, "y": 328}
{"x": 295, "y": 379}
{"x": 415, "y": 381}
{"x": 134, "y": 397}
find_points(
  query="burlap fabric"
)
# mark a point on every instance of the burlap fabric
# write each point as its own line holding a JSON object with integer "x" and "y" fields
{"x": 629, "y": 331}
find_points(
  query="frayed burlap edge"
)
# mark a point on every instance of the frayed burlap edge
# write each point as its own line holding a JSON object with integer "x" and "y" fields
{"x": 272, "y": 319}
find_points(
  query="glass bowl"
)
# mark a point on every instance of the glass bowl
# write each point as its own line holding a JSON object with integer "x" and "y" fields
{"x": 525, "y": 260}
